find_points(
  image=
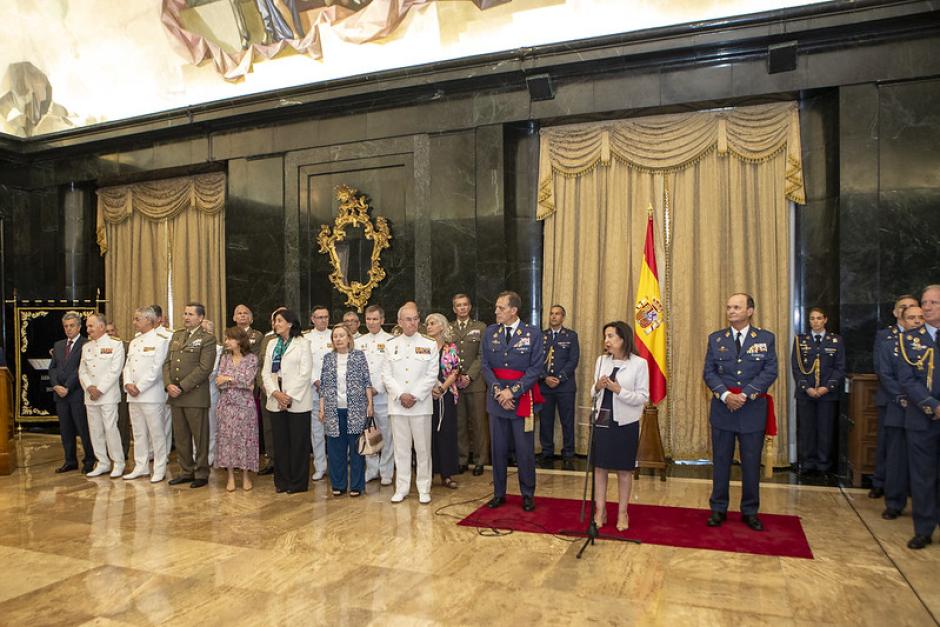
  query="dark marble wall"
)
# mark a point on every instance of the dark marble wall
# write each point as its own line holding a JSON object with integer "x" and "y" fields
{"x": 816, "y": 224}
{"x": 254, "y": 245}
{"x": 889, "y": 213}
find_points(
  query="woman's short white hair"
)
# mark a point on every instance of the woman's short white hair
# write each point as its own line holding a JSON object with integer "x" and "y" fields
{"x": 446, "y": 336}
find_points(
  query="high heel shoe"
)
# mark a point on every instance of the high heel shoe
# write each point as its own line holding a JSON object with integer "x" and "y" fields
{"x": 623, "y": 522}
{"x": 600, "y": 518}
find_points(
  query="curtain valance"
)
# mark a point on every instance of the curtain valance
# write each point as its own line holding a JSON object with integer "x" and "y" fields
{"x": 668, "y": 143}
{"x": 159, "y": 200}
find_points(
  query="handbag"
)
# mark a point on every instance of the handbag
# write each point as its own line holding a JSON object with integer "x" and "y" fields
{"x": 370, "y": 440}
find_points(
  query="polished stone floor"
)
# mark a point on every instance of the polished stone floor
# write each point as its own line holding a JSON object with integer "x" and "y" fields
{"x": 78, "y": 551}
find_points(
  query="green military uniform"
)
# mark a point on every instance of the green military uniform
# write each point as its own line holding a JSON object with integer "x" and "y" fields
{"x": 471, "y": 404}
{"x": 188, "y": 364}
{"x": 255, "y": 343}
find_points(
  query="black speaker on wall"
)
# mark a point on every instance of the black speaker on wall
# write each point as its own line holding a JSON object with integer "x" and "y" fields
{"x": 540, "y": 87}
{"x": 781, "y": 57}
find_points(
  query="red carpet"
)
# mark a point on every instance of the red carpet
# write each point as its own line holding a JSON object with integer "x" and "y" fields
{"x": 654, "y": 524}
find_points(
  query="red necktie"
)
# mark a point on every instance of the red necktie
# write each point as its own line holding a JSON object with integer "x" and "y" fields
{"x": 68, "y": 348}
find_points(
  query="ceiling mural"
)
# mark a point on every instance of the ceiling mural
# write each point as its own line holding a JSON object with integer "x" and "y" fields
{"x": 66, "y": 64}
{"x": 236, "y": 33}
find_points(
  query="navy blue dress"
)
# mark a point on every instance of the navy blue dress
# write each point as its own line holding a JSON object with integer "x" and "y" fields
{"x": 615, "y": 446}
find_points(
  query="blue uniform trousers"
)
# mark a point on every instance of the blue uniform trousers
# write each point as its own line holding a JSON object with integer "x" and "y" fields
{"x": 751, "y": 445}
{"x": 564, "y": 401}
{"x": 503, "y": 433}
{"x": 923, "y": 448}
{"x": 897, "y": 483}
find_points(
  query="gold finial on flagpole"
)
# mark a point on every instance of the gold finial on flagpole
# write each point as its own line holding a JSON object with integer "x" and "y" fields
{"x": 649, "y": 210}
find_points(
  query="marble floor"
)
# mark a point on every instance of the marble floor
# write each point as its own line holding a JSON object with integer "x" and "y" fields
{"x": 77, "y": 551}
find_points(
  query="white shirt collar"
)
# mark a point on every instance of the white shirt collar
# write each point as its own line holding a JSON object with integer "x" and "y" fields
{"x": 743, "y": 332}
{"x": 513, "y": 326}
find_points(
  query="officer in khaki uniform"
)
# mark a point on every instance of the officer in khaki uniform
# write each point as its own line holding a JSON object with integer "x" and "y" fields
{"x": 243, "y": 318}
{"x": 471, "y": 404}
{"x": 186, "y": 373}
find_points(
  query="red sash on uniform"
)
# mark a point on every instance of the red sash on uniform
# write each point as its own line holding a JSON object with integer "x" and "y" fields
{"x": 771, "y": 427}
{"x": 529, "y": 399}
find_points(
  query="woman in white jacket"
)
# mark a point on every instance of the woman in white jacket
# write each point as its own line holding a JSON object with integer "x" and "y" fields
{"x": 621, "y": 384}
{"x": 287, "y": 378}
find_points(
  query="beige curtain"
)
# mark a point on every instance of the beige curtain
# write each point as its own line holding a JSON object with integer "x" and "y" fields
{"x": 149, "y": 231}
{"x": 718, "y": 183}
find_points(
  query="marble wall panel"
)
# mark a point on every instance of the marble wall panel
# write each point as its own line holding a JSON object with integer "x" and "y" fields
{"x": 254, "y": 237}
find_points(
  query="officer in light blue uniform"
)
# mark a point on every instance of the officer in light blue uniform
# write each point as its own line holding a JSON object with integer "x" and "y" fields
{"x": 562, "y": 353}
{"x": 818, "y": 364}
{"x": 896, "y": 470}
{"x": 512, "y": 362}
{"x": 917, "y": 372}
{"x": 740, "y": 357}
{"x": 889, "y": 335}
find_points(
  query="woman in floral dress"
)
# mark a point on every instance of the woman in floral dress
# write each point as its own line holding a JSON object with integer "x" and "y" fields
{"x": 238, "y": 423}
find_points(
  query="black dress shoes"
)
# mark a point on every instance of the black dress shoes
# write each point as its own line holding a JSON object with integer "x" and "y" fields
{"x": 528, "y": 503}
{"x": 496, "y": 501}
{"x": 198, "y": 483}
{"x": 716, "y": 519}
{"x": 918, "y": 542}
{"x": 462, "y": 469}
{"x": 890, "y": 514}
{"x": 876, "y": 493}
{"x": 181, "y": 480}
{"x": 478, "y": 470}
{"x": 87, "y": 468}
{"x": 267, "y": 470}
{"x": 67, "y": 468}
{"x": 753, "y": 522}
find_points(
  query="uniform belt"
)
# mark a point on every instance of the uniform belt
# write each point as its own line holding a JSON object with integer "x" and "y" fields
{"x": 771, "y": 427}
{"x": 529, "y": 399}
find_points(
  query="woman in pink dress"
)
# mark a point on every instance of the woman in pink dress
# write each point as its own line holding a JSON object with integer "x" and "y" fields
{"x": 238, "y": 423}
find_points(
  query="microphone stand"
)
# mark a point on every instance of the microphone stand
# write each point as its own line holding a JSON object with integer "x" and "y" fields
{"x": 592, "y": 533}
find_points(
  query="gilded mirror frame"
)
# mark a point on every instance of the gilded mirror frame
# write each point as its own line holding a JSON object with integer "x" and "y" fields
{"x": 354, "y": 211}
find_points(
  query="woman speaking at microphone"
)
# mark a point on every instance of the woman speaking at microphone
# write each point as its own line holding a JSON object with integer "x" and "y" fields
{"x": 621, "y": 385}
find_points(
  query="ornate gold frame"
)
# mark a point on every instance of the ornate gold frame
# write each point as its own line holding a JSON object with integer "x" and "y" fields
{"x": 23, "y": 313}
{"x": 354, "y": 211}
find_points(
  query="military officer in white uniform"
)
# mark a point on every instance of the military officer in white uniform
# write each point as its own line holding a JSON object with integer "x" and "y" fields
{"x": 99, "y": 374}
{"x": 409, "y": 375}
{"x": 320, "y": 344}
{"x": 382, "y": 465}
{"x": 146, "y": 398}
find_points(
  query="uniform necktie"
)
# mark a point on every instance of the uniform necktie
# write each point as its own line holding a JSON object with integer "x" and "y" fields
{"x": 737, "y": 341}
{"x": 507, "y": 332}
{"x": 68, "y": 348}
{"x": 817, "y": 339}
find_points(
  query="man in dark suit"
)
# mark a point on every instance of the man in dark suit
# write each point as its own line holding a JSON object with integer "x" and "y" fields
{"x": 887, "y": 335}
{"x": 740, "y": 366}
{"x": 512, "y": 361}
{"x": 189, "y": 362}
{"x": 920, "y": 381}
{"x": 818, "y": 364}
{"x": 562, "y": 353}
{"x": 69, "y": 397}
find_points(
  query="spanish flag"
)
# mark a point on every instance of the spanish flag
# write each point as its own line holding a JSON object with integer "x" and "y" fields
{"x": 650, "y": 329}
